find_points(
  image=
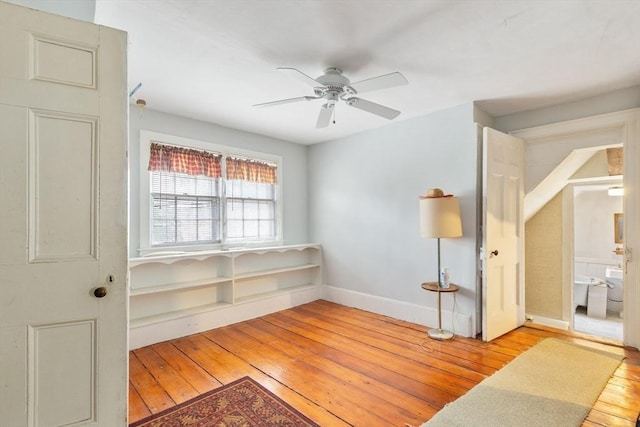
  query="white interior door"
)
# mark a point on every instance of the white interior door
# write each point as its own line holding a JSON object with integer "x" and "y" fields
{"x": 63, "y": 225}
{"x": 503, "y": 234}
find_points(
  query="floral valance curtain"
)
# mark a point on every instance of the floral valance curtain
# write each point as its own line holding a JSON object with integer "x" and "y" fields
{"x": 168, "y": 158}
{"x": 251, "y": 170}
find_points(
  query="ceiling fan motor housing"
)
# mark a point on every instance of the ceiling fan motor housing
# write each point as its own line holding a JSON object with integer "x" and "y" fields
{"x": 333, "y": 77}
{"x": 335, "y": 84}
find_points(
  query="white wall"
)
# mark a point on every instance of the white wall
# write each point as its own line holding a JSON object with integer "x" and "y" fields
{"x": 84, "y": 10}
{"x": 593, "y": 224}
{"x": 364, "y": 210}
{"x": 294, "y": 166}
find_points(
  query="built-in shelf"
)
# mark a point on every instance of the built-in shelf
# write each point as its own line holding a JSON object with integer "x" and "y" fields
{"x": 270, "y": 272}
{"x": 270, "y": 294}
{"x": 173, "y": 315}
{"x": 184, "y": 292}
{"x": 171, "y": 287}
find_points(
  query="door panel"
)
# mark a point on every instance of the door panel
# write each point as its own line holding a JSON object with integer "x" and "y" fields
{"x": 69, "y": 347}
{"x": 69, "y": 140}
{"x": 503, "y": 243}
{"x": 63, "y": 134}
{"x": 50, "y": 54}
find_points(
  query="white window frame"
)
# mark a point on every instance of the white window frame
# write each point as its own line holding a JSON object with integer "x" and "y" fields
{"x": 146, "y": 248}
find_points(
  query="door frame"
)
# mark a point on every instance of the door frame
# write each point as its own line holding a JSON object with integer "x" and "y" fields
{"x": 627, "y": 124}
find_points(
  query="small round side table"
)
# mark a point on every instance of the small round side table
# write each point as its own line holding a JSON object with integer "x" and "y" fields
{"x": 440, "y": 334}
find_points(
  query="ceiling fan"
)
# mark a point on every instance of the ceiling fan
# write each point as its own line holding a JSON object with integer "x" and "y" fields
{"x": 333, "y": 86}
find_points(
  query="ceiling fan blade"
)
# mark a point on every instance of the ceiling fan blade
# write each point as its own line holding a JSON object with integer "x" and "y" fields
{"x": 372, "y": 107}
{"x": 380, "y": 82}
{"x": 300, "y": 76}
{"x": 324, "y": 118}
{"x": 286, "y": 101}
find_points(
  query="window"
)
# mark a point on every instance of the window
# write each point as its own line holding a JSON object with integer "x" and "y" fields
{"x": 205, "y": 197}
{"x": 186, "y": 208}
{"x": 251, "y": 199}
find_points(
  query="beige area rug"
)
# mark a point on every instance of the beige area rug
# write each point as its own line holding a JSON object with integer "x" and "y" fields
{"x": 554, "y": 383}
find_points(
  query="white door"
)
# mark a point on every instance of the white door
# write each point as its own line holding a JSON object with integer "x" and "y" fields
{"x": 503, "y": 234}
{"x": 63, "y": 225}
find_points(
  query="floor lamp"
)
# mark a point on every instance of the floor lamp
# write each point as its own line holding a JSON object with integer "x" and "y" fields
{"x": 439, "y": 217}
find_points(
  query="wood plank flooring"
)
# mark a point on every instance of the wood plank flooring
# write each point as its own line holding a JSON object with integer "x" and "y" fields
{"x": 342, "y": 366}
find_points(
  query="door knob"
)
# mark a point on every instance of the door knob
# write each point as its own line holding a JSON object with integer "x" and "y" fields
{"x": 100, "y": 292}
{"x": 494, "y": 253}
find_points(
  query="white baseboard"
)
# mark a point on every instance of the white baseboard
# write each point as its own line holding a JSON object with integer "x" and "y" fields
{"x": 147, "y": 334}
{"x": 459, "y": 323}
{"x": 547, "y": 321}
{"x": 165, "y": 330}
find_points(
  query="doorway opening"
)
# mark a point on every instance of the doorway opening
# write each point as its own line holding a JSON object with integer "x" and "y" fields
{"x": 597, "y": 307}
{"x": 554, "y": 154}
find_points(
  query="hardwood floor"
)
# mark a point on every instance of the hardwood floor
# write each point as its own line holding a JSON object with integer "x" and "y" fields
{"x": 342, "y": 366}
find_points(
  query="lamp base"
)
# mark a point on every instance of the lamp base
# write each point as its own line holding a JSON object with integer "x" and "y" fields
{"x": 440, "y": 334}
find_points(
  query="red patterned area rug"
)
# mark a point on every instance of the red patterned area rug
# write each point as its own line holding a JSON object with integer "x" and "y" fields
{"x": 242, "y": 403}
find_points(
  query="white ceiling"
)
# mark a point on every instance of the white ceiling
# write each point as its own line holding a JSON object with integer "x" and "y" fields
{"x": 212, "y": 60}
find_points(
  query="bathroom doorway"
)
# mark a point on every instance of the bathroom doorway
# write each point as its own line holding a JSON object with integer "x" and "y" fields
{"x": 554, "y": 153}
{"x": 597, "y": 259}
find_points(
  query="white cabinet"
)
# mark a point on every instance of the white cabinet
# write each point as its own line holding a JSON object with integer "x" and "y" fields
{"x": 179, "y": 294}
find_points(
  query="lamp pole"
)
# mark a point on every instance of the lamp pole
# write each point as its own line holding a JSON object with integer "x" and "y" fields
{"x": 439, "y": 286}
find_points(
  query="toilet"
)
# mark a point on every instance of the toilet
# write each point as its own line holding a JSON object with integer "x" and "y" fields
{"x": 614, "y": 279}
{"x": 581, "y": 285}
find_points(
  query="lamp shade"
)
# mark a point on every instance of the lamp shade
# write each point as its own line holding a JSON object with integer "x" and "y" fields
{"x": 440, "y": 217}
